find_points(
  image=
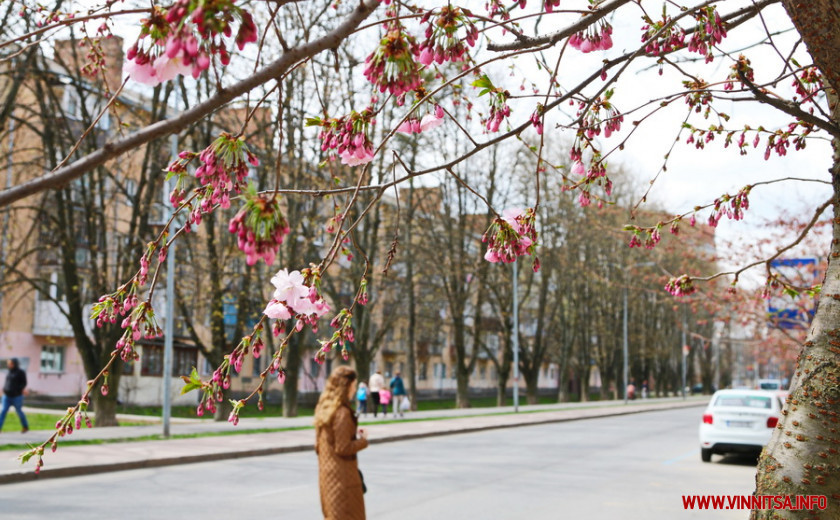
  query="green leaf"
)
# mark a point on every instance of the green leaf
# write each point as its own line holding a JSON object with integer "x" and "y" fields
{"x": 793, "y": 293}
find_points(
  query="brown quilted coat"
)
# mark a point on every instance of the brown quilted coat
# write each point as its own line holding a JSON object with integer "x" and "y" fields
{"x": 338, "y": 475}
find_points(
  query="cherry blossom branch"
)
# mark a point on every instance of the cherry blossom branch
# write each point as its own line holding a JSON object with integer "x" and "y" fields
{"x": 788, "y": 107}
{"x": 552, "y": 39}
{"x": 90, "y": 128}
{"x": 817, "y": 213}
{"x": 70, "y": 21}
{"x": 175, "y": 124}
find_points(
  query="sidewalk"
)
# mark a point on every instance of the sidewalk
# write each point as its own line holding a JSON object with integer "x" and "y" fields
{"x": 123, "y": 453}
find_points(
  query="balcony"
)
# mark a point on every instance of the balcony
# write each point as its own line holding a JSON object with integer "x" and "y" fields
{"x": 50, "y": 321}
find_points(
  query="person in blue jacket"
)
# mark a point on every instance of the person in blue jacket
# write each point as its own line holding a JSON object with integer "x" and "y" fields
{"x": 361, "y": 397}
{"x": 398, "y": 391}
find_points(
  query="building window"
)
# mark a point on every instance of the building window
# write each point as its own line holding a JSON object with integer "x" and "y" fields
{"x": 421, "y": 374}
{"x": 482, "y": 372}
{"x": 314, "y": 369}
{"x": 128, "y": 368}
{"x": 183, "y": 361}
{"x": 52, "y": 359}
{"x": 52, "y": 288}
{"x": 440, "y": 371}
{"x": 152, "y": 361}
{"x": 206, "y": 367}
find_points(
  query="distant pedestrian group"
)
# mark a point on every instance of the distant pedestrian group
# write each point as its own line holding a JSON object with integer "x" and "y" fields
{"x": 375, "y": 395}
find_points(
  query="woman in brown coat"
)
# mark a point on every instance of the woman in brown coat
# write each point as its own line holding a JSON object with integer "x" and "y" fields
{"x": 336, "y": 444}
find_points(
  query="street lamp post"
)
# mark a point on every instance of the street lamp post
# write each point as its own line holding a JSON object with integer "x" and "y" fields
{"x": 625, "y": 348}
{"x": 170, "y": 299}
{"x": 625, "y": 343}
{"x": 515, "y": 338}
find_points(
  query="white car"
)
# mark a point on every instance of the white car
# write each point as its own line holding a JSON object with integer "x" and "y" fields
{"x": 738, "y": 421}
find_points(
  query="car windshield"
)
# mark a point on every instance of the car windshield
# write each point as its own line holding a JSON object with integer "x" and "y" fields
{"x": 749, "y": 401}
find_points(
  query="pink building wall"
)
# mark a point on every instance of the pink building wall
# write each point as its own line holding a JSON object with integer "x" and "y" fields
{"x": 27, "y": 348}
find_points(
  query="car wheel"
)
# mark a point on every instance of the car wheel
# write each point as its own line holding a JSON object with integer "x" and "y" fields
{"x": 706, "y": 454}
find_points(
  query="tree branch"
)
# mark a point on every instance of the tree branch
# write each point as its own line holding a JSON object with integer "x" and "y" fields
{"x": 553, "y": 38}
{"x": 175, "y": 124}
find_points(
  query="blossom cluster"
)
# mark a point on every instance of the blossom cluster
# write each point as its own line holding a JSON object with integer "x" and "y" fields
{"x": 548, "y": 5}
{"x": 184, "y": 38}
{"x": 343, "y": 323}
{"x": 698, "y": 96}
{"x": 647, "y": 237}
{"x": 808, "y": 83}
{"x": 593, "y": 38}
{"x": 442, "y": 42}
{"x": 348, "y": 136}
{"x": 260, "y": 227}
{"x": 431, "y": 120}
{"x": 741, "y": 70}
{"x": 732, "y": 207}
{"x": 671, "y": 38}
{"x": 139, "y": 324}
{"x": 499, "y": 108}
{"x": 709, "y": 31}
{"x": 595, "y": 174}
{"x": 292, "y": 296}
{"x": 391, "y": 67}
{"x": 111, "y": 306}
{"x": 602, "y": 114}
{"x": 512, "y": 235}
{"x": 682, "y": 286}
{"x": 224, "y": 166}
{"x": 537, "y": 119}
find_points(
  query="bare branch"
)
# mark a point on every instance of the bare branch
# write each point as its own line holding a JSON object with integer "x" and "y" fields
{"x": 114, "y": 149}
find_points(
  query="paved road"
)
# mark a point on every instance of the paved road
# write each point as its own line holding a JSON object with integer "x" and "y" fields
{"x": 626, "y": 467}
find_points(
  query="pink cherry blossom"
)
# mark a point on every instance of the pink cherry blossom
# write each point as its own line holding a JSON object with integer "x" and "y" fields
{"x": 289, "y": 286}
{"x": 277, "y": 310}
{"x": 167, "y": 68}
{"x": 430, "y": 121}
{"x": 144, "y": 73}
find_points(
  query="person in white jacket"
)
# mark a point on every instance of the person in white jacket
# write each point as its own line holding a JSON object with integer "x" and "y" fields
{"x": 376, "y": 383}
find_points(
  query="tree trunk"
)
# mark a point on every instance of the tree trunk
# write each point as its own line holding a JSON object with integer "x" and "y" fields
{"x": 105, "y": 406}
{"x": 802, "y": 457}
{"x": 363, "y": 359}
{"x": 532, "y": 387}
{"x": 290, "y": 385}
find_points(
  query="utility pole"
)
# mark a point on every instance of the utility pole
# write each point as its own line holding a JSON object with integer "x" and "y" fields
{"x": 170, "y": 292}
{"x": 515, "y": 337}
{"x": 625, "y": 347}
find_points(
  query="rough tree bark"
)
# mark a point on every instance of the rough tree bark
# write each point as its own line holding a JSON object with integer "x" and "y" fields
{"x": 802, "y": 457}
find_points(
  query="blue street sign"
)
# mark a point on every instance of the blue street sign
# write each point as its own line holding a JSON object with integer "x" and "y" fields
{"x": 783, "y": 310}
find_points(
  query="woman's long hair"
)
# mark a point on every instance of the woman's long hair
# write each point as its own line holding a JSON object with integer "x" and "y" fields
{"x": 334, "y": 396}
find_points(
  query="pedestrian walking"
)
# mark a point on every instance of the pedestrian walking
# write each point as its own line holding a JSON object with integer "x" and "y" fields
{"x": 384, "y": 400}
{"x": 376, "y": 383}
{"x": 337, "y": 440}
{"x": 398, "y": 390}
{"x": 13, "y": 394}
{"x": 361, "y": 397}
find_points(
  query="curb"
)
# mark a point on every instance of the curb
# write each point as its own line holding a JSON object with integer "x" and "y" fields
{"x": 29, "y": 475}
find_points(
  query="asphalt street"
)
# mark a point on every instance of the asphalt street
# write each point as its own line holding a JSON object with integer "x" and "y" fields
{"x": 625, "y": 467}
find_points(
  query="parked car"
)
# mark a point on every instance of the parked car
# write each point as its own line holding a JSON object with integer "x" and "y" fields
{"x": 769, "y": 384}
{"x": 738, "y": 421}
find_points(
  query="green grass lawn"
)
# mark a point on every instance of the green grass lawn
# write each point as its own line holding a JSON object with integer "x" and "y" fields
{"x": 42, "y": 421}
{"x": 37, "y": 421}
{"x": 276, "y": 410}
